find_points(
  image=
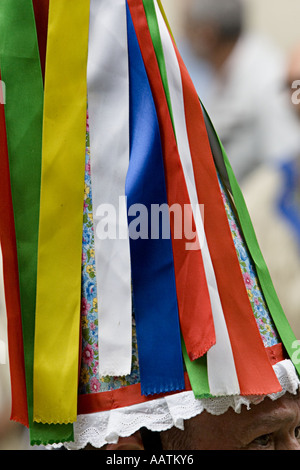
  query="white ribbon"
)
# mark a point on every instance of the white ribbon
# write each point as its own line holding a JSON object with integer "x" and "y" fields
{"x": 108, "y": 103}
{"x": 222, "y": 374}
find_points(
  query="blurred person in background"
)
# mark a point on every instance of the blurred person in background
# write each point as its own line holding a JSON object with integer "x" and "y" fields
{"x": 279, "y": 194}
{"x": 241, "y": 79}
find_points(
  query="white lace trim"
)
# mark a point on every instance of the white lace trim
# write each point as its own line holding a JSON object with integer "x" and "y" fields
{"x": 99, "y": 429}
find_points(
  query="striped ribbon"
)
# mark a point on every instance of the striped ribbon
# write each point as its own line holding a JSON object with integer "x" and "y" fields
{"x": 222, "y": 380}
{"x": 154, "y": 288}
{"x": 61, "y": 215}
{"x": 108, "y": 97}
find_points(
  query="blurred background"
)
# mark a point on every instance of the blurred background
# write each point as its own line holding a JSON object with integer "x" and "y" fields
{"x": 244, "y": 59}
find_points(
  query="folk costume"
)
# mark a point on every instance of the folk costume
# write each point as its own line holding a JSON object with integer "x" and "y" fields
{"x": 116, "y": 323}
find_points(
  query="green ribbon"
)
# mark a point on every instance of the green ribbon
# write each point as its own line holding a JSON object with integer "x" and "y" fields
{"x": 22, "y": 75}
{"x": 197, "y": 372}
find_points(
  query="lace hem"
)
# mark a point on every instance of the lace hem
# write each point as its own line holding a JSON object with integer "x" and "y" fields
{"x": 99, "y": 429}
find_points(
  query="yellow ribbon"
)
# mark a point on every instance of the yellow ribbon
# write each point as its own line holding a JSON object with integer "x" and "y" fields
{"x": 57, "y": 329}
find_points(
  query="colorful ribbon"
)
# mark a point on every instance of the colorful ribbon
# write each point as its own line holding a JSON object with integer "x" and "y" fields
{"x": 152, "y": 143}
{"x": 61, "y": 216}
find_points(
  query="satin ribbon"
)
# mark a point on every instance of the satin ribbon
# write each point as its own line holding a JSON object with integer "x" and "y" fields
{"x": 255, "y": 374}
{"x": 153, "y": 278}
{"x": 61, "y": 214}
{"x": 198, "y": 375}
{"x": 19, "y": 410}
{"x": 222, "y": 380}
{"x": 108, "y": 97}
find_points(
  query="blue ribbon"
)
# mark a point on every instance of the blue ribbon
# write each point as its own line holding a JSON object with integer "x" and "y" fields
{"x": 153, "y": 277}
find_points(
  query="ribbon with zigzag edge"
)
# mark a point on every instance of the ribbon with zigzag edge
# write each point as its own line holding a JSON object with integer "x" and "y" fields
{"x": 61, "y": 207}
{"x": 237, "y": 310}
